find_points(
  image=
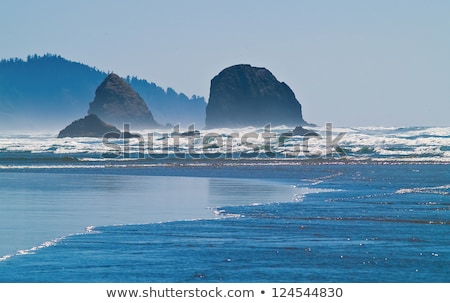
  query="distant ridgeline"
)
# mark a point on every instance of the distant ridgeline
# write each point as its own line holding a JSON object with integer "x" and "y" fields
{"x": 46, "y": 92}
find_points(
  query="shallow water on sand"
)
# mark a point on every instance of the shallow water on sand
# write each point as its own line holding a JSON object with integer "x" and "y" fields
{"x": 39, "y": 207}
{"x": 290, "y": 223}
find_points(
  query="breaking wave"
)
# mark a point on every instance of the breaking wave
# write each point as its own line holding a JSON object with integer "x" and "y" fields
{"x": 410, "y": 144}
{"x": 34, "y": 249}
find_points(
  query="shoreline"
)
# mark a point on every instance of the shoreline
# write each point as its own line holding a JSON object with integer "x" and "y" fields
{"x": 72, "y": 162}
{"x": 39, "y": 208}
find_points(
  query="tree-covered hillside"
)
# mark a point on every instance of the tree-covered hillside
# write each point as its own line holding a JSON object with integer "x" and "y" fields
{"x": 47, "y": 92}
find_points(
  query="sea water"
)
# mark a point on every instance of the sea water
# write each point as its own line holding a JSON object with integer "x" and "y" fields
{"x": 38, "y": 207}
{"x": 381, "y": 218}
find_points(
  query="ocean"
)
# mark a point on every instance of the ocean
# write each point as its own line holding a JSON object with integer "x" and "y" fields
{"x": 346, "y": 205}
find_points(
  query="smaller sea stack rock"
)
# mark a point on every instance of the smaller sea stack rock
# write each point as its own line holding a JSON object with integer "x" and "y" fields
{"x": 117, "y": 103}
{"x": 89, "y": 126}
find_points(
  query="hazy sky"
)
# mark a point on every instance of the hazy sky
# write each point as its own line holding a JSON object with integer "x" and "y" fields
{"x": 353, "y": 63}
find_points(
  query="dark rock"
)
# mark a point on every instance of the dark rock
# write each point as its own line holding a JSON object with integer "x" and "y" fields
{"x": 117, "y": 103}
{"x": 129, "y": 135}
{"x": 89, "y": 126}
{"x": 191, "y": 133}
{"x": 194, "y": 133}
{"x": 300, "y": 131}
{"x": 243, "y": 95}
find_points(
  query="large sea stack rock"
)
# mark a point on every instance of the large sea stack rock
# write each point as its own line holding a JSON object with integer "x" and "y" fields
{"x": 117, "y": 103}
{"x": 243, "y": 95}
{"x": 89, "y": 126}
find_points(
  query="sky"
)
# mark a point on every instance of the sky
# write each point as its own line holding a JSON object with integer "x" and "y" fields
{"x": 350, "y": 63}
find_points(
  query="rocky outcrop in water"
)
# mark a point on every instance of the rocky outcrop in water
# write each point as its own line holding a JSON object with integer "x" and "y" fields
{"x": 47, "y": 92}
{"x": 117, "y": 103}
{"x": 243, "y": 95}
{"x": 89, "y": 126}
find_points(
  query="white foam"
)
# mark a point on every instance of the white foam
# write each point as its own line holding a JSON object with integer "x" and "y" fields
{"x": 34, "y": 249}
{"x": 91, "y": 229}
{"x": 440, "y": 190}
{"x": 222, "y": 214}
{"x": 6, "y": 257}
{"x": 385, "y": 142}
{"x": 46, "y": 244}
